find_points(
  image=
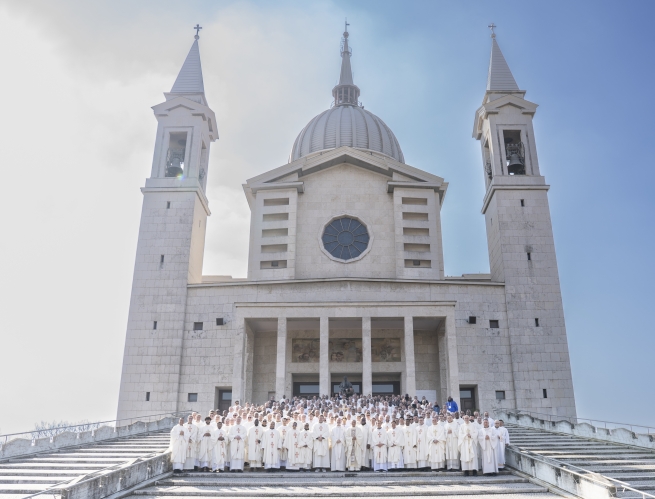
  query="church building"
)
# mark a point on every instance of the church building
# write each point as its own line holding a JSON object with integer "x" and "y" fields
{"x": 345, "y": 268}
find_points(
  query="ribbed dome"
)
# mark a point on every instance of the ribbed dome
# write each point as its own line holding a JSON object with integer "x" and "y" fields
{"x": 346, "y": 125}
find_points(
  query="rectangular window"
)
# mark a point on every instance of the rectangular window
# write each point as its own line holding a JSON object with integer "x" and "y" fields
{"x": 147, "y": 396}
{"x": 418, "y": 263}
{"x": 413, "y": 231}
{"x": 154, "y": 325}
{"x": 536, "y": 322}
{"x": 466, "y": 394}
{"x": 275, "y": 232}
{"x": 493, "y": 324}
{"x": 545, "y": 393}
{"x": 473, "y": 319}
{"x": 219, "y": 321}
{"x": 197, "y": 326}
{"x": 192, "y": 397}
{"x": 161, "y": 262}
{"x": 275, "y": 217}
{"x": 500, "y": 394}
{"x": 274, "y": 248}
{"x": 276, "y": 202}
{"x": 522, "y": 202}
{"x": 419, "y": 248}
{"x": 168, "y": 205}
{"x": 529, "y": 256}
{"x": 410, "y": 215}
{"x": 176, "y": 154}
{"x": 273, "y": 264}
{"x": 416, "y": 201}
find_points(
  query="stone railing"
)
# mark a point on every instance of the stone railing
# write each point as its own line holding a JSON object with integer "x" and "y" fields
{"x": 123, "y": 478}
{"x": 18, "y": 447}
{"x": 585, "y": 430}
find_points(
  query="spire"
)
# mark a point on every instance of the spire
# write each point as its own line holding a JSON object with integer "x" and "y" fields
{"x": 189, "y": 80}
{"x": 346, "y": 92}
{"x": 500, "y": 77}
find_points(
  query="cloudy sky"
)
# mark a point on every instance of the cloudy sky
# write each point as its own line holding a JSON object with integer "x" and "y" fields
{"x": 78, "y": 81}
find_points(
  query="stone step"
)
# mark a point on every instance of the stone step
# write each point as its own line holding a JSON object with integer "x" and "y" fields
{"x": 21, "y": 488}
{"x": 404, "y": 490}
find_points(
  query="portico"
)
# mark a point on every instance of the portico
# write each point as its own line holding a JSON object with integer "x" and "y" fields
{"x": 410, "y": 346}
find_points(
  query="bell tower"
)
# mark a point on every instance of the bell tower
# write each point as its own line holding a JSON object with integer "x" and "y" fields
{"x": 170, "y": 245}
{"x": 521, "y": 244}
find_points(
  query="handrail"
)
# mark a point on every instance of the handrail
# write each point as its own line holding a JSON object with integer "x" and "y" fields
{"x": 57, "y": 428}
{"x": 585, "y": 473}
{"x": 649, "y": 429}
{"x": 89, "y": 475}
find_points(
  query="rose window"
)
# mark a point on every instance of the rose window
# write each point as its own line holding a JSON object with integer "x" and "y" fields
{"x": 345, "y": 238}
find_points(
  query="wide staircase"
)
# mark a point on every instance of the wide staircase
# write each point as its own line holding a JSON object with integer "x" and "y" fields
{"x": 342, "y": 485}
{"x": 634, "y": 466}
{"x": 21, "y": 477}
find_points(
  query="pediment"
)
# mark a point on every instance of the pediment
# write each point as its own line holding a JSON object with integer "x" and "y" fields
{"x": 291, "y": 175}
{"x": 182, "y": 103}
{"x": 494, "y": 106}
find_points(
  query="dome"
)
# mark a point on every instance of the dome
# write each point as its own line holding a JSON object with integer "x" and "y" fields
{"x": 346, "y": 125}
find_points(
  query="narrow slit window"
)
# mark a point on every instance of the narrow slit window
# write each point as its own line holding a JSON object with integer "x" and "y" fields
{"x": 536, "y": 322}
{"x": 154, "y": 325}
{"x": 529, "y": 256}
{"x": 161, "y": 259}
{"x": 147, "y": 396}
{"x": 545, "y": 393}
{"x": 522, "y": 202}
{"x": 168, "y": 205}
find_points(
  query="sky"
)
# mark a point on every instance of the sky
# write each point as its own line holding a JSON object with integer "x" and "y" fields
{"x": 77, "y": 136}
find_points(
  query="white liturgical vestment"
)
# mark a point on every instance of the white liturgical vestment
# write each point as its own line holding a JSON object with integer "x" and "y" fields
{"x": 179, "y": 442}
{"x": 468, "y": 443}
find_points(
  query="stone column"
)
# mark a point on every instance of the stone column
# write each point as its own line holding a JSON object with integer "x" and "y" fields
{"x": 281, "y": 365}
{"x": 367, "y": 370}
{"x": 451, "y": 355}
{"x": 410, "y": 365}
{"x": 237, "y": 371}
{"x": 324, "y": 365}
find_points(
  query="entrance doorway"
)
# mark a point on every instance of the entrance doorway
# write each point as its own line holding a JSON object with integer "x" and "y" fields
{"x": 224, "y": 399}
{"x": 467, "y": 398}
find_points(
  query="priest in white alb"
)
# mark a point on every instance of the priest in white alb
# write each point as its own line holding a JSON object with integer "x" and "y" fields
{"x": 220, "y": 449}
{"x": 255, "y": 439}
{"x": 379, "y": 446}
{"x": 451, "y": 429}
{"x": 355, "y": 446}
{"x": 178, "y": 446}
{"x": 503, "y": 440}
{"x": 191, "y": 462}
{"x": 321, "y": 433}
{"x": 272, "y": 445}
{"x": 436, "y": 445}
{"x": 395, "y": 444}
{"x": 409, "y": 451}
{"x": 338, "y": 440}
{"x": 238, "y": 437}
{"x": 488, "y": 438}
{"x": 467, "y": 441}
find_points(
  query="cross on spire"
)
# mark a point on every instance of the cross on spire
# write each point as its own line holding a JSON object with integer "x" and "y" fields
{"x": 347, "y": 24}
{"x": 491, "y": 27}
{"x": 197, "y": 27}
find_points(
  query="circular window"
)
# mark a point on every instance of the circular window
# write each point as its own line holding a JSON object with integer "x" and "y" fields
{"x": 345, "y": 238}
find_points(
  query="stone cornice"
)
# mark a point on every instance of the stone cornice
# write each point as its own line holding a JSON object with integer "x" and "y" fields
{"x": 345, "y": 279}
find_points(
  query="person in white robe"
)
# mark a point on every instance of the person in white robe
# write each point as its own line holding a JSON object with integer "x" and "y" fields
{"x": 321, "y": 433}
{"x": 436, "y": 445}
{"x": 452, "y": 445}
{"x": 178, "y": 446}
{"x": 220, "y": 449}
{"x": 503, "y": 440}
{"x": 338, "y": 441}
{"x": 366, "y": 447}
{"x": 421, "y": 445}
{"x": 354, "y": 446}
{"x": 255, "y": 440}
{"x": 292, "y": 448}
{"x": 238, "y": 436}
{"x": 272, "y": 445}
{"x": 379, "y": 446}
{"x": 207, "y": 444}
{"x": 191, "y": 462}
{"x": 284, "y": 430}
{"x": 409, "y": 451}
{"x": 307, "y": 446}
{"x": 395, "y": 444}
{"x": 488, "y": 438}
{"x": 467, "y": 442}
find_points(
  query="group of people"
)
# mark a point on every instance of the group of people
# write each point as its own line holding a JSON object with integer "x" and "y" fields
{"x": 355, "y": 433}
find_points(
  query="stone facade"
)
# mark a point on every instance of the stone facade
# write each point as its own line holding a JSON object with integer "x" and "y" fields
{"x": 387, "y": 318}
